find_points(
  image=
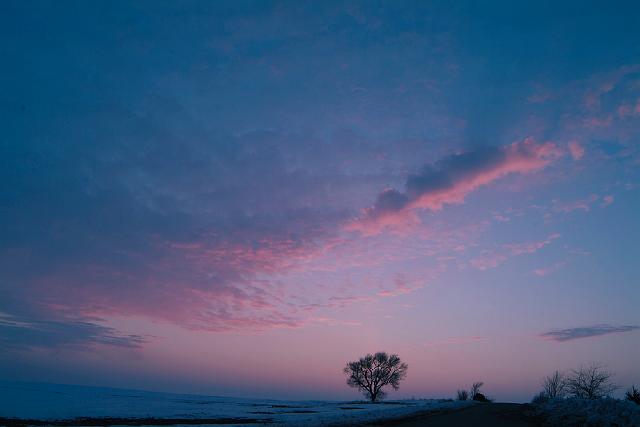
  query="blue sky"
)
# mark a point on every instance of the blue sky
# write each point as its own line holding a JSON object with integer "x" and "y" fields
{"x": 200, "y": 196}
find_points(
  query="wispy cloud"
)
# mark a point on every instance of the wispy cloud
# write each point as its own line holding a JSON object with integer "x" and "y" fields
{"x": 545, "y": 271}
{"x": 607, "y": 200}
{"x": 158, "y": 204}
{"x": 493, "y": 258}
{"x": 585, "y": 204}
{"x": 570, "y": 334}
{"x": 402, "y": 286}
{"x": 582, "y": 204}
{"x": 28, "y": 332}
{"x": 530, "y": 247}
{"x": 576, "y": 150}
{"x": 201, "y": 230}
{"x": 450, "y": 180}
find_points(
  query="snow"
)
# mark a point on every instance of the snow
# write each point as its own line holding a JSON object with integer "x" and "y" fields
{"x": 592, "y": 413}
{"x": 55, "y": 402}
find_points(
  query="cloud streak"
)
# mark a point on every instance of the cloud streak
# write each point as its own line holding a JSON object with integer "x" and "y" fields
{"x": 570, "y": 334}
{"x": 545, "y": 271}
{"x": 492, "y": 259}
{"x": 28, "y": 332}
{"x": 450, "y": 180}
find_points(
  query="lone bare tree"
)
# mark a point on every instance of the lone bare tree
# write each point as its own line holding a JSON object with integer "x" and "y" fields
{"x": 592, "y": 382}
{"x": 555, "y": 385}
{"x": 372, "y": 372}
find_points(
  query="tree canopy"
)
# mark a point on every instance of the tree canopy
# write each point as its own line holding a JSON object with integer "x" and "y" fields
{"x": 372, "y": 373}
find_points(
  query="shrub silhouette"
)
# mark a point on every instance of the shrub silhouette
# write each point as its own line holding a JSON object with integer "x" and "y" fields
{"x": 373, "y": 372}
{"x": 633, "y": 395}
{"x": 479, "y": 397}
{"x": 539, "y": 398}
{"x": 555, "y": 385}
{"x": 475, "y": 389}
{"x": 463, "y": 395}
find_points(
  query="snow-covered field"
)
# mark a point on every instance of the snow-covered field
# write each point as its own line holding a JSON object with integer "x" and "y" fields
{"x": 58, "y": 402}
{"x": 594, "y": 413}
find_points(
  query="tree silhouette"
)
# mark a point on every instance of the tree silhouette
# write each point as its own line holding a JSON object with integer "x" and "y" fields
{"x": 372, "y": 372}
{"x": 592, "y": 382}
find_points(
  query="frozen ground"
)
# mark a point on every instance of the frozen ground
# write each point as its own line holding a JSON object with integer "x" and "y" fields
{"x": 64, "y": 402}
{"x": 580, "y": 412}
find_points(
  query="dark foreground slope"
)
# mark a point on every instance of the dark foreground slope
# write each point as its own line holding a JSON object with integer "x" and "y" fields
{"x": 482, "y": 415}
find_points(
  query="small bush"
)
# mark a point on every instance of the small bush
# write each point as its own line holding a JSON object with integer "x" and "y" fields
{"x": 633, "y": 395}
{"x": 479, "y": 397}
{"x": 475, "y": 389}
{"x": 463, "y": 395}
{"x": 539, "y": 398}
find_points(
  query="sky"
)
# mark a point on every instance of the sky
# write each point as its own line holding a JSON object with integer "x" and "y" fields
{"x": 237, "y": 198}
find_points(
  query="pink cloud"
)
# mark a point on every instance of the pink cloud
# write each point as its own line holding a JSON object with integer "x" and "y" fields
{"x": 402, "y": 287}
{"x": 200, "y": 285}
{"x": 597, "y": 122}
{"x": 450, "y": 181}
{"x": 592, "y": 99}
{"x": 488, "y": 260}
{"x": 501, "y": 218}
{"x": 607, "y": 200}
{"x": 629, "y": 109}
{"x": 545, "y": 271}
{"x": 492, "y": 259}
{"x": 576, "y": 150}
{"x": 605, "y": 84}
{"x": 329, "y": 321}
{"x": 625, "y": 110}
{"x": 530, "y": 247}
{"x": 583, "y": 204}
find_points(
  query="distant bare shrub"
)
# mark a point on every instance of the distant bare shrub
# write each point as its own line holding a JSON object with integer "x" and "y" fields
{"x": 592, "y": 382}
{"x": 633, "y": 395}
{"x": 463, "y": 395}
{"x": 475, "y": 389}
{"x": 555, "y": 385}
{"x": 479, "y": 397}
